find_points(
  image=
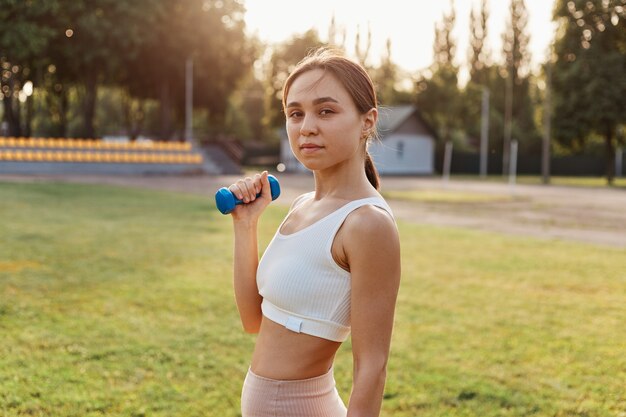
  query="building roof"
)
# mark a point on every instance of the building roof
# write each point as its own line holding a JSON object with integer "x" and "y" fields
{"x": 392, "y": 117}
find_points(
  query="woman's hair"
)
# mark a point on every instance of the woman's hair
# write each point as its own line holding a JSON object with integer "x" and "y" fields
{"x": 355, "y": 80}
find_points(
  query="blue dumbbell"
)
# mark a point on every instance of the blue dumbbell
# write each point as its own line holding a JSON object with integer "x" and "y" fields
{"x": 226, "y": 200}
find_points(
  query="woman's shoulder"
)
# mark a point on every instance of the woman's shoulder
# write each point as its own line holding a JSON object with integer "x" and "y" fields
{"x": 371, "y": 221}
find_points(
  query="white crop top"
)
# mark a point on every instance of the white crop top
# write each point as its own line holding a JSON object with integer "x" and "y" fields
{"x": 302, "y": 286}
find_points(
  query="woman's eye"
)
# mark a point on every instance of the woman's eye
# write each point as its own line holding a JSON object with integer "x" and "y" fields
{"x": 326, "y": 112}
{"x": 295, "y": 114}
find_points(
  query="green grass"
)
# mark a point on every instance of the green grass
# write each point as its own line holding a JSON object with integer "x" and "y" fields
{"x": 446, "y": 196}
{"x": 118, "y": 302}
{"x": 619, "y": 182}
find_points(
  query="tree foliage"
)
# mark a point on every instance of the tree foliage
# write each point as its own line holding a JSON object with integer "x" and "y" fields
{"x": 437, "y": 89}
{"x": 589, "y": 73}
{"x": 478, "y": 59}
{"x": 140, "y": 46}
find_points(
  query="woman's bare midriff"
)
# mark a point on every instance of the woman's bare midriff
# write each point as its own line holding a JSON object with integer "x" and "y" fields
{"x": 282, "y": 354}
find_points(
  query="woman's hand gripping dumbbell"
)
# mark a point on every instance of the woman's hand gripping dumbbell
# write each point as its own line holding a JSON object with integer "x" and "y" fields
{"x": 248, "y": 190}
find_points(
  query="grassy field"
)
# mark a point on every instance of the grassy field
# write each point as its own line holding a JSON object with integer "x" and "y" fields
{"x": 118, "y": 302}
{"x": 619, "y": 182}
{"x": 446, "y": 196}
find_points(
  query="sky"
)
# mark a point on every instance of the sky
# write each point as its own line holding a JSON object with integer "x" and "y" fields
{"x": 408, "y": 23}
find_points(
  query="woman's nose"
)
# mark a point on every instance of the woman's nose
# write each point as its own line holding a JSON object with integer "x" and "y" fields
{"x": 308, "y": 126}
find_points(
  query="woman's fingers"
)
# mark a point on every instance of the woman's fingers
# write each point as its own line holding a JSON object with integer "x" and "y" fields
{"x": 265, "y": 182}
{"x": 246, "y": 189}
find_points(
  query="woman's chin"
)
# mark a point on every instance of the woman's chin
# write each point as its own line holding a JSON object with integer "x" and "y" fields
{"x": 311, "y": 164}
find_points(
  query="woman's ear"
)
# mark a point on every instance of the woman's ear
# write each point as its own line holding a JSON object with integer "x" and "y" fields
{"x": 369, "y": 119}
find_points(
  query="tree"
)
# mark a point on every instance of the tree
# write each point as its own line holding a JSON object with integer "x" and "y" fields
{"x": 518, "y": 108}
{"x": 385, "y": 78}
{"x": 25, "y": 32}
{"x": 589, "y": 86}
{"x": 479, "y": 59}
{"x": 139, "y": 46}
{"x": 197, "y": 30}
{"x": 362, "y": 52}
{"x": 480, "y": 74}
{"x": 334, "y": 33}
{"x": 438, "y": 96}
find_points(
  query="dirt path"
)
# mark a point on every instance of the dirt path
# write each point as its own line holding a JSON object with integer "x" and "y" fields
{"x": 592, "y": 215}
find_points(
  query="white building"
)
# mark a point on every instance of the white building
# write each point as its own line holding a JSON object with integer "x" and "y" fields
{"x": 406, "y": 145}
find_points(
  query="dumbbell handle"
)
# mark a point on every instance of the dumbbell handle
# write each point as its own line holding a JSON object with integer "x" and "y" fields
{"x": 226, "y": 200}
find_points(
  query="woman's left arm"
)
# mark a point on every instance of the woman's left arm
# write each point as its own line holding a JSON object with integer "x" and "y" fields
{"x": 372, "y": 249}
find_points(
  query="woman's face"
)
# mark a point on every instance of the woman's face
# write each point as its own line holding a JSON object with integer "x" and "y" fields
{"x": 323, "y": 123}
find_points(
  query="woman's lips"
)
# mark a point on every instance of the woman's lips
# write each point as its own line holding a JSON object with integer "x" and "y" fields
{"x": 308, "y": 148}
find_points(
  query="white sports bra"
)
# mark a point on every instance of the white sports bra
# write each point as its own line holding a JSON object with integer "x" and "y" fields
{"x": 302, "y": 286}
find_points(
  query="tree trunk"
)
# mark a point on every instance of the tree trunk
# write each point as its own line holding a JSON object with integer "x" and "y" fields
{"x": 63, "y": 106}
{"x": 17, "y": 117}
{"x": 29, "y": 117}
{"x": 89, "y": 105}
{"x": 10, "y": 115}
{"x": 166, "y": 114}
{"x": 610, "y": 155}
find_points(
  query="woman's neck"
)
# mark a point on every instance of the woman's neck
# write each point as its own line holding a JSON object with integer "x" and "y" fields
{"x": 344, "y": 181}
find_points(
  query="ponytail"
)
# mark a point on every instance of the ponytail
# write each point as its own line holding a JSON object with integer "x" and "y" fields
{"x": 371, "y": 171}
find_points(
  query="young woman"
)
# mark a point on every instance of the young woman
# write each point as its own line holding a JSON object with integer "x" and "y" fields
{"x": 333, "y": 267}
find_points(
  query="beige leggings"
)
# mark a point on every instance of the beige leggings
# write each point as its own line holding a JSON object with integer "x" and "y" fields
{"x": 312, "y": 397}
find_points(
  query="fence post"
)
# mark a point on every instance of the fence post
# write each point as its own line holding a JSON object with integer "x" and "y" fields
{"x": 447, "y": 157}
{"x": 513, "y": 163}
{"x": 618, "y": 162}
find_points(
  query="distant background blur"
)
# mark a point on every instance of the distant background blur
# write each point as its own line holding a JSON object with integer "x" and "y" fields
{"x": 104, "y": 68}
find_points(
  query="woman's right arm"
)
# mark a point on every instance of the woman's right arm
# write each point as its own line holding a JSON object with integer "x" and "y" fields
{"x": 246, "y": 252}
